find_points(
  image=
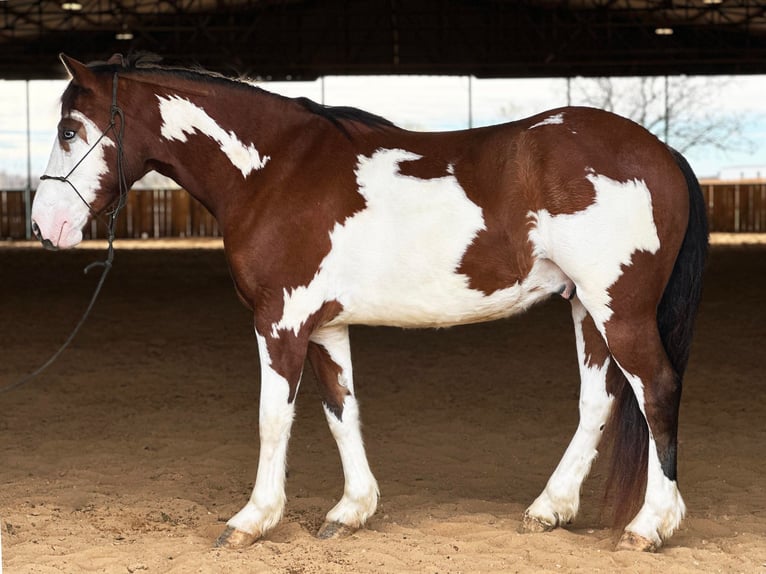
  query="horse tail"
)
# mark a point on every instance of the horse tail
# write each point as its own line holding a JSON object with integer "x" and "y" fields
{"x": 680, "y": 301}
{"x": 626, "y": 429}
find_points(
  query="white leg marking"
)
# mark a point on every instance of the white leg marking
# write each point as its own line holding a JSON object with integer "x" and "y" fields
{"x": 663, "y": 507}
{"x": 360, "y": 494}
{"x": 560, "y": 501}
{"x": 264, "y": 509}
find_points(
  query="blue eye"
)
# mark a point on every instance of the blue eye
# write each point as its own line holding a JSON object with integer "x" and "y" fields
{"x": 68, "y": 134}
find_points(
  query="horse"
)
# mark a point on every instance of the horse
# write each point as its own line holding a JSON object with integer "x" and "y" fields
{"x": 332, "y": 216}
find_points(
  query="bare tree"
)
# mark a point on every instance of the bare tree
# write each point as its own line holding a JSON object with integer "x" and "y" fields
{"x": 683, "y": 111}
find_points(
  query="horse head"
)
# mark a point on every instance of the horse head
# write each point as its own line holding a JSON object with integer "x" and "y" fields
{"x": 85, "y": 172}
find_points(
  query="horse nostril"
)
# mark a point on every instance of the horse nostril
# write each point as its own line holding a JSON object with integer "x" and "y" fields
{"x": 47, "y": 243}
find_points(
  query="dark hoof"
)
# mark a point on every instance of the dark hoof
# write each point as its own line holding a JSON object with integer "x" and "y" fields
{"x": 636, "y": 543}
{"x": 234, "y": 539}
{"x": 334, "y": 530}
{"x": 531, "y": 524}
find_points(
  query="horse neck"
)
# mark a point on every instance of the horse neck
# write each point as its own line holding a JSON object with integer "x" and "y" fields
{"x": 215, "y": 139}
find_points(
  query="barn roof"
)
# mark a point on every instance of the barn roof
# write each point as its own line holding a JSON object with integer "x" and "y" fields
{"x": 308, "y": 38}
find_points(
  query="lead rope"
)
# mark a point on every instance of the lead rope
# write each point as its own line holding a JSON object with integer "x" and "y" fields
{"x": 106, "y": 265}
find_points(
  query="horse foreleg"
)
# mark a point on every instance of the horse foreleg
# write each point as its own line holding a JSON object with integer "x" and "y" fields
{"x": 264, "y": 509}
{"x": 330, "y": 356}
{"x": 559, "y": 502}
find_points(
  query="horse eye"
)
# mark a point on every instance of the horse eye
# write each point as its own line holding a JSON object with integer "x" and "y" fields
{"x": 68, "y": 134}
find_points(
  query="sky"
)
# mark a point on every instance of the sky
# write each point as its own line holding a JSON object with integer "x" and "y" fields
{"x": 415, "y": 102}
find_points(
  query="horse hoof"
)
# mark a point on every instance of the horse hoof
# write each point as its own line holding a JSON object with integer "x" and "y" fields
{"x": 532, "y": 525}
{"x": 636, "y": 543}
{"x": 233, "y": 539}
{"x": 334, "y": 530}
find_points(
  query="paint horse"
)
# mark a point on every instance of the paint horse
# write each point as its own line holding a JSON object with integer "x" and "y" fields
{"x": 332, "y": 216}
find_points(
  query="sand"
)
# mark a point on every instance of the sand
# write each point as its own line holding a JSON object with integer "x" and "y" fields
{"x": 131, "y": 452}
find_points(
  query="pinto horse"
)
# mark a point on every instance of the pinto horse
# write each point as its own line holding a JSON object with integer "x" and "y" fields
{"x": 332, "y": 216}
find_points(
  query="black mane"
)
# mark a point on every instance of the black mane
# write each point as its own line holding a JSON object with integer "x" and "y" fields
{"x": 145, "y": 61}
{"x": 336, "y": 114}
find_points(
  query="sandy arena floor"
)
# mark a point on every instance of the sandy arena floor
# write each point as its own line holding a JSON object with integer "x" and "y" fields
{"x": 130, "y": 453}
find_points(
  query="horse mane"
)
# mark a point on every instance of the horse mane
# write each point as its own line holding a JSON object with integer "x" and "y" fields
{"x": 150, "y": 62}
{"x": 337, "y": 114}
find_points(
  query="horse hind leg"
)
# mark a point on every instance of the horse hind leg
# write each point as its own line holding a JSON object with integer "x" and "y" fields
{"x": 639, "y": 351}
{"x": 559, "y": 502}
{"x": 330, "y": 356}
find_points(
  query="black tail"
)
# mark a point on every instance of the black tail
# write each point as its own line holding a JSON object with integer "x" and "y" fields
{"x": 678, "y": 308}
{"x": 676, "y": 313}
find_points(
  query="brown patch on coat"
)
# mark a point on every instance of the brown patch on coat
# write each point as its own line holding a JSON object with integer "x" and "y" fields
{"x": 596, "y": 351}
{"x": 328, "y": 374}
{"x": 500, "y": 255}
{"x": 287, "y": 350}
{"x": 546, "y": 182}
{"x": 426, "y": 167}
{"x": 554, "y": 161}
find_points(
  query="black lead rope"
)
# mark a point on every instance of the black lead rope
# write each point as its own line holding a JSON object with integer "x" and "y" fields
{"x": 106, "y": 265}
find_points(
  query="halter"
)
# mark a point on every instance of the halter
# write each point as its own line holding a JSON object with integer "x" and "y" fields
{"x": 115, "y": 112}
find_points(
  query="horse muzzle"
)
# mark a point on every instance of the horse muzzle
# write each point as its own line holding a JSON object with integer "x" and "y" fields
{"x": 63, "y": 237}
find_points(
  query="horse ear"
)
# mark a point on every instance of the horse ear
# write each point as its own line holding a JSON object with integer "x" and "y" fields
{"x": 79, "y": 72}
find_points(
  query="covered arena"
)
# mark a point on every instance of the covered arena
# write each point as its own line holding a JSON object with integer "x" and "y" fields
{"x": 135, "y": 448}
{"x": 131, "y": 452}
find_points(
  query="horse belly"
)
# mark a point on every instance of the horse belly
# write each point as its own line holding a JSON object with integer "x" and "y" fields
{"x": 413, "y": 293}
{"x": 427, "y": 298}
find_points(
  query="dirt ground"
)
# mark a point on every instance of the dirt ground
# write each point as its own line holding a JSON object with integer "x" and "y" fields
{"x": 130, "y": 453}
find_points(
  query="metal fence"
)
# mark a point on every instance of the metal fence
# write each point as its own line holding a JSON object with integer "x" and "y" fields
{"x": 161, "y": 213}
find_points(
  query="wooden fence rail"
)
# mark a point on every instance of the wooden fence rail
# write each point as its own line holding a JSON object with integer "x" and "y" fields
{"x": 159, "y": 213}
{"x": 736, "y": 206}
{"x": 149, "y": 213}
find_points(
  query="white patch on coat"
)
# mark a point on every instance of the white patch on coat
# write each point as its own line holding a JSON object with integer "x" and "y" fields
{"x": 57, "y": 209}
{"x": 181, "y": 117}
{"x": 395, "y": 262}
{"x": 663, "y": 507}
{"x": 560, "y": 500}
{"x": 550, "y": 120}
{"x": 592, "y": 245}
